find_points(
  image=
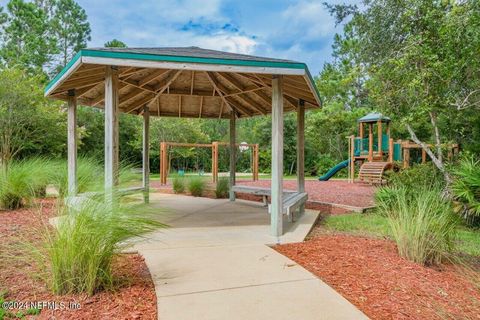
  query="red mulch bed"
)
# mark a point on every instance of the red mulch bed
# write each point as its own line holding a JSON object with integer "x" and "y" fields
{"x": 332, "y": 191}
{"x": 320, "y": 193}
{"x": 371, "y": 275}
{"x": 133, "y": 299}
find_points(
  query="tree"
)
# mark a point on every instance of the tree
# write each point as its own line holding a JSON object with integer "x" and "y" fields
{"x": 26, "y": 40}
{"x": 29, "y": 123}
{"x": 418, "y": 58}
{"x": 115, "y": 44}
{"x": 69, "y": 26}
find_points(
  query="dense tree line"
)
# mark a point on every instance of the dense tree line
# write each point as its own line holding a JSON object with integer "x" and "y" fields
{"x": 416, "y": 61}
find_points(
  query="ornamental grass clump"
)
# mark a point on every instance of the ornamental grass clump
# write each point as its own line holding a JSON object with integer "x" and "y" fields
{"x": 21, "y": 181}
{"x": 89, "y": 173}
{"x": 222, "y": 188}
{"x": 422, "y": 224}
{"x": 178, "y": 185}
{"x": 78, "y": 253}
{"x": 196, "y": 186}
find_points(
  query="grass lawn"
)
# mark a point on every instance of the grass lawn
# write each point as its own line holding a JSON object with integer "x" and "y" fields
{"x": 468, "y": 240}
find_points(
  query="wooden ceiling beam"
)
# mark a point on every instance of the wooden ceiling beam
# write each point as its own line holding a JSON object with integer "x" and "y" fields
{"x": 138, "y": 104}
{"x": 130, "y": 96}
{"x": 214, "y": 83}
{"x": 239, "y": 86}
{"x": 151, "y": 77}
{"x": 137, "y": 85}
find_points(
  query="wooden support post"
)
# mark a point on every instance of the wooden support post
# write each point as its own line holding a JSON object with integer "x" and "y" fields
{"x": 352, "y": 159}
{"x": 379, "y": 138}
{"x": 424, "y": 156}
{"x": 255, "y": 162}
{"x": 233, "y": 153}
{"x": 406, "y": 157}
{"x": 370, "y": 142}
{"x": 301, "y": 146}
{"x": 360, "y": 130}
{"x": 300, "y": 151}
{"x": 390, "y": 150}
{"x": 276, "y": 215}
{"x": 72, "y": 143}
{"x": 163, "y": 163}
{"x": 146, "y": 154}
{"x": 215, "y": 161}
{"x": 111, "y": 129}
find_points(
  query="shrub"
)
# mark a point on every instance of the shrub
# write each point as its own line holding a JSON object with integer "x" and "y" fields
{"x": 422, "y": 224}
{"x": 466, "y": 189}
{"x": 78, "y": 254}
{"x": 178, "y": 185}
{"x": 324, "y": 163}
{"x": 416, "y": 176}
{"x": 196, "y": 186}
{"x": 222, "y": 188}
{"x": 22, "y": 180}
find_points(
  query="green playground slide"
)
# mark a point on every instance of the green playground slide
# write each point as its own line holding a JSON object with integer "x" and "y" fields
{"x": 330, "y": 173}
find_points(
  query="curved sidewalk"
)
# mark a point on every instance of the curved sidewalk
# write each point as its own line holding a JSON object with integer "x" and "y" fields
{"x": 215, "y": 263}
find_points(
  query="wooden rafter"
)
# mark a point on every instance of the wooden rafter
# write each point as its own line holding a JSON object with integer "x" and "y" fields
{"x": 214, "y": 83}
{"x": 151, "y": 77}
{"x": 144, "y": 101}
{"x": 241, "y": 88}
{"x": 165, "y": 84}
{"x": 137, "y": 84}
{"x": 98, "y": 99}
{"x": 130, "y": 96}
{"x": 130, "y": 72}
{"x": 233, "y": 104}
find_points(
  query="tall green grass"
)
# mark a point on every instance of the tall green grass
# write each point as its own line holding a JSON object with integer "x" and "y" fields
{"x": 222, "y": 187}
{"x": 78, "y": 254}
{"x": 89, "y": 173}
{"x": 178, "y": 184}
{"x": 197, "y": 186}
{"x": 422, "y": 223}
{"x": 22, "y": 180}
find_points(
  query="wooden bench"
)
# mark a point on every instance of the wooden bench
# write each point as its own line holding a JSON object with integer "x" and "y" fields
{"x": 292, "y": 200}
{"x": 257, "y": 191}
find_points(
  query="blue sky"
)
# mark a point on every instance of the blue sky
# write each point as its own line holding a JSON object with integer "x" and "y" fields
{"x": 299, "y": 30}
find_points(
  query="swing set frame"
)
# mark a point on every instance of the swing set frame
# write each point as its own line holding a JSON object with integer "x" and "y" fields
{"x": 214, "y": 146}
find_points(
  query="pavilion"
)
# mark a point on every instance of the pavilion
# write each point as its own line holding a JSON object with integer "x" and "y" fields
{"x": 187, "y": 82}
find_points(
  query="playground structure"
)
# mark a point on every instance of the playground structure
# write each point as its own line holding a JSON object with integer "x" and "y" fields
{"x": 214, "y": 146}
{"x": 378, "y": 152}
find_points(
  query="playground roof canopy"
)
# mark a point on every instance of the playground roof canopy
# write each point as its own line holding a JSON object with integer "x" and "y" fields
{"x": 184, "y": 81}
{"x": 374, "y": 117}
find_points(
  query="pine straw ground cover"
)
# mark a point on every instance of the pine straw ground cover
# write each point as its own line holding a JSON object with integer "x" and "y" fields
{"x": 370, "y": 274}
{"x": 133, "y": 299}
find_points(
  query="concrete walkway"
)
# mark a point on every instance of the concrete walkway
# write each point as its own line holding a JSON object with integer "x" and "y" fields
{"x": 213, "y": 263}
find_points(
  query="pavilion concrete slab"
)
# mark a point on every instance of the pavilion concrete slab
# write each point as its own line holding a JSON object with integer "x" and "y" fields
{"x": 213, "y": 263}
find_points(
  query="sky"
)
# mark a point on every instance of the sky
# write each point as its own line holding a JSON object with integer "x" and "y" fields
{"x": 299, "y": 30}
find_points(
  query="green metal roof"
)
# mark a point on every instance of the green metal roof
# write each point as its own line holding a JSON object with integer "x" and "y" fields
{"x": 183, "y": 55}
{"x": 374, "y": 117}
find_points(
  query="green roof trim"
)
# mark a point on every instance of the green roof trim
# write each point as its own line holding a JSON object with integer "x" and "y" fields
{"x": 374, "y": 117}
{"x": 181, "y": 59}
